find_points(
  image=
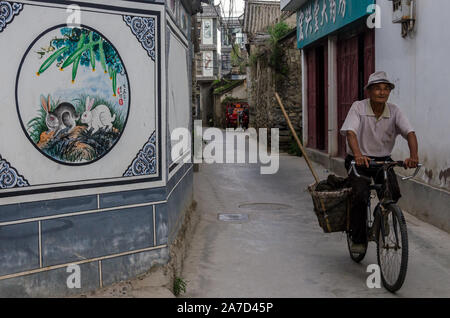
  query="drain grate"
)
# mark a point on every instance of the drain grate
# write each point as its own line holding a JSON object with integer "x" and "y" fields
{"x": 265, "y": 206}
{"x": 232, "y": 217}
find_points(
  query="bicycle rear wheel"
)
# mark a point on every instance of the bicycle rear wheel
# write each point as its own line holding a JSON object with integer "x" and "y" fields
{"x": 357, "y": 257}
{"x": 392, "y": 248}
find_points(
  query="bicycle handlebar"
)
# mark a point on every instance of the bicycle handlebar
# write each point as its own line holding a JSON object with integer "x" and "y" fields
{"x": 373, "y": 163}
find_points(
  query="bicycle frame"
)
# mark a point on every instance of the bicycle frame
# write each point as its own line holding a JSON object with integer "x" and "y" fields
{"x": 373, "y": 224}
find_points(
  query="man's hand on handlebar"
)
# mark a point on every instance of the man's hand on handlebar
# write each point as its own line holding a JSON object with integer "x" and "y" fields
{"x": 362, "y": 160}
{"x": 411, "y": 162}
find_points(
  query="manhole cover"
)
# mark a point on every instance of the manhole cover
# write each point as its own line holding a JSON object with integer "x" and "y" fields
{"x": 230, "y": 217}
{"x": 265, "y": 206}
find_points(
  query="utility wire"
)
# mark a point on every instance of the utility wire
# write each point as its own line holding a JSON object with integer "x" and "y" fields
{"x": 227, "y": 29}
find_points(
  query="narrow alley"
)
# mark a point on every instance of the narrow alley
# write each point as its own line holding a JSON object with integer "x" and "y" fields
{"x": 119, "y": 179}
{"x": 277, "y": 249}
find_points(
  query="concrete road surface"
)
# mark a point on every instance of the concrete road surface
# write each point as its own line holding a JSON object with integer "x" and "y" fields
{"x": 278, "y": 248}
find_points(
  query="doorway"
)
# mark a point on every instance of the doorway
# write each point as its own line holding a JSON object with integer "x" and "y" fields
{"x": 355, "y": 63}
{"x": 317, "y": 77}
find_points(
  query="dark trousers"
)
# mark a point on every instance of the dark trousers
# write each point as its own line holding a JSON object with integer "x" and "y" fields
{"x": 361, "y": 192}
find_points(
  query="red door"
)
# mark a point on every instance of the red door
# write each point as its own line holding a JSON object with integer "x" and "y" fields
{"x": 355, "y": 63}
{"x": 347, "y": 77}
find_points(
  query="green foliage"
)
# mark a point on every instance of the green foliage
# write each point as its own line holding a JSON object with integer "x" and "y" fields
{"x": 80, "y": 46}
{"x": 277, "y": 32}
{"x": 179, "y": 286}
{"x": 253, "y": 59}
{"x": 101, "y": 50}
{"x": 226, "y": 85}
{"x": 294, "y": 149}
{"x": 119, "y": 122}
{"x": 237, "y": 60}
{"x": 229, "y": 99}
{"x": 219, "y": 83}
{"x": 36, "y": 126}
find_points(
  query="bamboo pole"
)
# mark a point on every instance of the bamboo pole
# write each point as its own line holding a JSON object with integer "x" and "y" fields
{"x": 297, "y": 139}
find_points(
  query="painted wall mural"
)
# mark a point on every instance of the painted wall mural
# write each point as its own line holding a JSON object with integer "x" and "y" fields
{"x": 208, "y": 63}
{"x": 81, "y": 98}
{"x": 207, "y": 31}
{"x": 83, "y": 108}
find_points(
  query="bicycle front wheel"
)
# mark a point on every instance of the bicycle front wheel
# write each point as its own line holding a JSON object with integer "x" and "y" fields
{"x": 392, "y": 247}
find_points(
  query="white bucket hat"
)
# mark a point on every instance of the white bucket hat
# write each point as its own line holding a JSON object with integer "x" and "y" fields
{"x": 379, "y": 77}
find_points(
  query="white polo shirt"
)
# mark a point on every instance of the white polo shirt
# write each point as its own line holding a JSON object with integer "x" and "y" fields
{"x": 376, "y": 137}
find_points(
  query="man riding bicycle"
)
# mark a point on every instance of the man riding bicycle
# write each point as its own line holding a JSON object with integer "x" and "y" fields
{"x": 371, "y": 127}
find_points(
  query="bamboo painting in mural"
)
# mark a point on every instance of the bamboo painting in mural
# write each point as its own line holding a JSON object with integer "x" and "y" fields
{"x": 79, "y": 112}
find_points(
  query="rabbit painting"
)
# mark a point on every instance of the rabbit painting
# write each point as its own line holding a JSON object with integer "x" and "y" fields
{"x": 62, "y": 119}
{"x": 99, "y": 117}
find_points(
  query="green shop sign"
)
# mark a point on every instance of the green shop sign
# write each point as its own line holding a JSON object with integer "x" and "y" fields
{"x": 317, "y": 18}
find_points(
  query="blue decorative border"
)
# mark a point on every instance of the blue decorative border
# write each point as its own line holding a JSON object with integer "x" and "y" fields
{"x": 7, "y": 12}
{"x": 144, "y": 30}
{"x": 9, "y": 177}
{"x": 145, "y": 161}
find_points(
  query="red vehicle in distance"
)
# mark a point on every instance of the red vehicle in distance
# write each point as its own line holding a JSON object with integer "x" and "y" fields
{"x": 237, "y": 115}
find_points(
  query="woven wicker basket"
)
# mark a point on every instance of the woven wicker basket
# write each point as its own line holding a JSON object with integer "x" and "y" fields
{"x": 332, "y": 208}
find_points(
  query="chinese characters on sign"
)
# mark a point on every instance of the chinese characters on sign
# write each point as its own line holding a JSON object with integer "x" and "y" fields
{"x": 309, "y": 24}
{"x": 317, "y": 18}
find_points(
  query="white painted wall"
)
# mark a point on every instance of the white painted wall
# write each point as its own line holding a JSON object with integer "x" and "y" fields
{"x": 178, "y": 78}
{"x": 419, "y": 67}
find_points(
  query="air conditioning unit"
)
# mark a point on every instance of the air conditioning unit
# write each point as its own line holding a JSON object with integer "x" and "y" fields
{"x": 402, "y": 11}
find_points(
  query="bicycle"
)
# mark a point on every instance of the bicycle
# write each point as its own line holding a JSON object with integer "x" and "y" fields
{"x": 387, "y": 229}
